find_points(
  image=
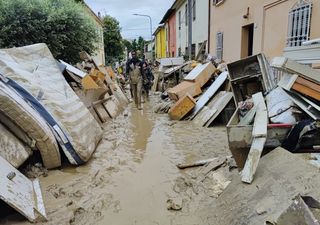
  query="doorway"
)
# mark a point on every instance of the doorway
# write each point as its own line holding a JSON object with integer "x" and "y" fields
{"x": 247, "y": 40}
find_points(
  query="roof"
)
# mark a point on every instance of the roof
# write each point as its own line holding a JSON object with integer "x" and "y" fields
{"x": 167, "y": 15}
{"x": 171, "y": 10}
{"x": 161, "y": 26}
{"x": 93, "y": 14}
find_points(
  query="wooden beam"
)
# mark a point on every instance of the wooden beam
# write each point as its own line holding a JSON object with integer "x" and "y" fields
{"x": 253, "y": 160}
{"x": 259, "y": 134}
{"x": 306, "y": 91}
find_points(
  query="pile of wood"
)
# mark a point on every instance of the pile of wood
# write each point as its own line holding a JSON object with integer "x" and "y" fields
{"x": 96, "y": 85}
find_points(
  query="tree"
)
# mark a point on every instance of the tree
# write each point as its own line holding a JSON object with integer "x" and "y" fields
{"x": 141, "y": 43}
{"x": 113, "y": 44}
{"x": 62, "y": 24}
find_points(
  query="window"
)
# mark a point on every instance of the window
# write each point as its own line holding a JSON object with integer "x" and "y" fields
{"x": 193, "y": 51}
{"x": 219, "y": 45}
{"x": 186, "y": 15}
{"x": 194, "y": 10}
{"x": 217, "y": 2}
{"x": 179, "y": 20}
{"x": 299, "y": 23}
{"x": 179, "y": 52}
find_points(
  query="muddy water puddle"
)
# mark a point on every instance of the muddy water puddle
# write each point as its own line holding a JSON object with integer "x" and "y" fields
{"x": 133, "y": 174}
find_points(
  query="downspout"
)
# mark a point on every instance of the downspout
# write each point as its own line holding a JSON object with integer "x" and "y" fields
{"x": 209, "y": 26}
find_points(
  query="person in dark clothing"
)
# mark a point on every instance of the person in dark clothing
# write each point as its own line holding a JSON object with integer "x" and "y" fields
{"x": 134, "y": 70}
{"x": 148, "y": 78}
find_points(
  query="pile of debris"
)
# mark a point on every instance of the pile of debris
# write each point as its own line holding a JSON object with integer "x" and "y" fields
{"x": 40, "y": 112}
{"x": 277, "y": 104}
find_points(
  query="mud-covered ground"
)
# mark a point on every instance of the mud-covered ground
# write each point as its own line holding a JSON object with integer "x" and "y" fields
{"x": 132, "y": 178}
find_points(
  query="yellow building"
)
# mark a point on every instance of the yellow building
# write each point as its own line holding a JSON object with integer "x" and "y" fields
{"x": 242, "y": 28}
{"x": 99, "y": 54}
{"x": 160, "y": 42}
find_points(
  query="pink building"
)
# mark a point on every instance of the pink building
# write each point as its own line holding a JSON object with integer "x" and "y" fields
{"x": 169, "y": 20}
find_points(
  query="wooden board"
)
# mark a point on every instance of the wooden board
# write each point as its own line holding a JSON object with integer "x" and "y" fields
{"x": 209, "y": 167}
{"x": 279, "y": 178}
{"x": 201, "y": 73}
{"x": 18, "y": 192}
{"x": 111, "y": 108}
{"x": 306, "y": 91}
{"x": 261, "y": 118}
{"x": 253, "y": 159}
{"x": 185, "y": 87}
{"x": 182, "y": 107}
{"x": 259, "y": 134}
{"x": 305, "y": 106}
{"x": 249, "y": 117}
{"x": 102, "y": 113}
{"x": 73, "y": 69}
{"x": 221, "y": 105}
{"x": 209, "y": 94}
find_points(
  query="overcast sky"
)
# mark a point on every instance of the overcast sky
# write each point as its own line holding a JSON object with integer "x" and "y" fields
{"x": 133, "y": 26}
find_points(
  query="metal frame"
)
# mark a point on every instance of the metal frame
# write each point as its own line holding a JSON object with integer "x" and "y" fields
{"x": 299, "y": 23}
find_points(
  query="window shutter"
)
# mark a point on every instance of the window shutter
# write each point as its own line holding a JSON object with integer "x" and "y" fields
{"x": 219, "y": 45}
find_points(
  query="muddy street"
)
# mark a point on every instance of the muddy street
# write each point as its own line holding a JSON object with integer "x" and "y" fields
{"x": 132, "y": 177}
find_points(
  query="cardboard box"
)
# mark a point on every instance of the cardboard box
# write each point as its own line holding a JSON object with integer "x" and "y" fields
{"x": 182, "y": 107}
{"x": 201, "y": 74}
{"x": 185, "y": 87}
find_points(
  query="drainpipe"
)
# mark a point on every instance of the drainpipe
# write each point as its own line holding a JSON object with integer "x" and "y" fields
{"x": 209, "y": 26}
{"x": 190, "y": 28}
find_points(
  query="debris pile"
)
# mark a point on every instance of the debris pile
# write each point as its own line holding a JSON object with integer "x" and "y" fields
{"x": 47, "y": 112}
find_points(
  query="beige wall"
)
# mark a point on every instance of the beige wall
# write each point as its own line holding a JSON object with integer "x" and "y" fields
{"x": 270, "y": 19}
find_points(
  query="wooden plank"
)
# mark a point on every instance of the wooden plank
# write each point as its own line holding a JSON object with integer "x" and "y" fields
{"x": 111, "y": 108}
{"x": 215, "y": 164}
{"x": 305, "y": 106}
{"x": 309, "y": 84}
{"x": 209, "y": 93}
{"x": 306, "y": 91}
{"x": 249, "y": 117}
{"x": 18, "y": 192}
{"x": 224, "y": 101}
{"x": 253, "y": 159}
{"x": 102, "y": 113}
{"x": 261, "y": 119}
{"x": 196, "y": 163}
{"x": 182, "y": 107}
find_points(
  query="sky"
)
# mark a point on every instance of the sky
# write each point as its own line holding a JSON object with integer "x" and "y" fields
{"x": 133, "y": 26}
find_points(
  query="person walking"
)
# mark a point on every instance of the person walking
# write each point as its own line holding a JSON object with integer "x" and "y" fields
{"x": 134, "y": 70}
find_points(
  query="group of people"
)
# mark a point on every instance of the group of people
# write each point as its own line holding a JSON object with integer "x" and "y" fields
{"x": 141, "y": 78}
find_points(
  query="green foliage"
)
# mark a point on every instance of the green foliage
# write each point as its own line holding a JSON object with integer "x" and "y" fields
{"x": 135, "y": 45}
{"x": 62, "y": 24}
{"x": 113, "y": 43}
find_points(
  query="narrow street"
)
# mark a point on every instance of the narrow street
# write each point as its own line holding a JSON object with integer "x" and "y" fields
{"x": 133, "y": 173}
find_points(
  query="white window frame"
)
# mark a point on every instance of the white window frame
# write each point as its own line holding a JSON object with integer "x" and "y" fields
{"x": 299, "y": 23}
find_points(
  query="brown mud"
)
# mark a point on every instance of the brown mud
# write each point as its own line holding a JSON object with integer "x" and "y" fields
{"x": 132, "y": 178}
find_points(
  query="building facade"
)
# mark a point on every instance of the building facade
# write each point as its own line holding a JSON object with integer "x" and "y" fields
{"x": 169, "y": 20}
{"x": 99, "y": 54}
{"x": 200, "y": 25}
{"x": 160, "y": 42}
{"x": 242, "y": 28}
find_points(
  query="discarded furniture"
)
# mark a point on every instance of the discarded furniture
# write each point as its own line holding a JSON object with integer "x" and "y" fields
{"x": 212, "y": 90}
{"x": 182, "y": 107}
{"x": 185, "y": 87}
{"x": 240, "y": 138}
{"x": 34, "y": 69}
{"x": 249, "y": 76}
{"x": 201, "y": 74}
